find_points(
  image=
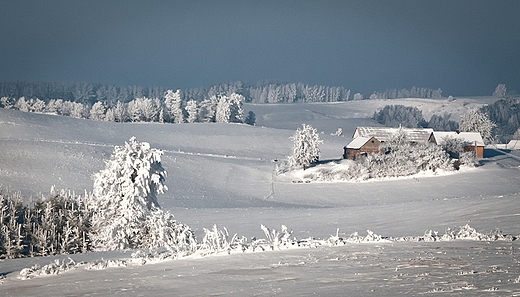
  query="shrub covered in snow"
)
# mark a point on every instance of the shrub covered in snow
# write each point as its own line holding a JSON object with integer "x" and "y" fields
{"x": 57, "y": 224}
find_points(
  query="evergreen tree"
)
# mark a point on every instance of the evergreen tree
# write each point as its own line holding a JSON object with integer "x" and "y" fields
{"x": 173, "y": 103}
{"x": 193, "y": 111}
{"x": 251, "y": 118}
{"x": 126, "y": 213}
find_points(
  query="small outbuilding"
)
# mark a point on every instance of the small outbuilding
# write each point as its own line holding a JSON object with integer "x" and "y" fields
{"x": 513, "y": 144}
{"x": 361, "y": 146}
{"x": 472, "y": 140}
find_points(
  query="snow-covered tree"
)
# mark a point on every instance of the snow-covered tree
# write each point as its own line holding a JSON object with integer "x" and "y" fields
{"x": 173, "y": 103}
{"x": 110, "y": 116}
{"x": 229, "y": 109}
{"x": 22, "y": 104}
{"x": 97, "y": 112}
{"x": 37, "y": 105}
{"x": 476, "y": 121}
{"x": 237, "y": 112}
{"x": 306, "y": 150}
{"x": 7, "y": 102}
{"x": 120, "y": 112}
{"x": 223, "y": 113}
{"x": 126, "y": 213}
{"x": 192, "y": 110}
{"x": 500, "y": 91}
{"x": 358, "y": 96}
{"x": 208, "y": 109}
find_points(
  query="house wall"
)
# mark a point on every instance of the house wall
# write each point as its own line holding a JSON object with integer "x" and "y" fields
{"x": 479, "y": 152}
{"x": 370, "y": 147}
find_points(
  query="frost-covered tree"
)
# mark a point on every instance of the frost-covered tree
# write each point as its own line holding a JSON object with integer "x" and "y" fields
{"x": 306, "y": 147}
{"x": 442, "y": 123}
{"x": 173, "y": 103}
{"x": 400, "y": 115}
{"x": 358, "y": 96}
{"x": 476, "y": 121}
{"x": 97, "y": 112}
{"x": 22, "y": 104}
{"x": 192, "y": 110}
{"x": 208, "y": 110}
{"x": 7, "y": 102}
{"x": 500, "y": 91}
{"x": 229, "y": 109}
{"x": 126, "y": 213}
{"x": 223, "y": 112}
{"x": 37, "y": 105}
{"x": 237, "y": 112}
{"x": 120, "y": 112}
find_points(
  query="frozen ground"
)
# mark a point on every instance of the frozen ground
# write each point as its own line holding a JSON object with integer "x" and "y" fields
{"x": 223, "y": 174}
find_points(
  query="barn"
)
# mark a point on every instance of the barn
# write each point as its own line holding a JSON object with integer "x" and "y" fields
{"x": 366, "y": 140}
{"x": 472, "y": 140}
{"x": 361, "y": 146}
{"x": 419, "y": 135}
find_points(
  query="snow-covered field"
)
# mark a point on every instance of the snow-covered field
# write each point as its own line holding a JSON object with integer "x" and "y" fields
{"x": 223, "y": 174}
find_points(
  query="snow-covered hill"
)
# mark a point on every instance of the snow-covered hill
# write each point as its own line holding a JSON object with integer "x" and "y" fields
{"x": 223, "y": 174}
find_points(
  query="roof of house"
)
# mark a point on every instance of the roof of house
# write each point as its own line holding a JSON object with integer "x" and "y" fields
{"x": 358, "y": 142}
{"x": 469, "y": 137}
{"x": 386, "y": 133}
{"x": 513, "y": 144}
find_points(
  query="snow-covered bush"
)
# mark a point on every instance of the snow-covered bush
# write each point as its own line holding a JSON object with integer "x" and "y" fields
{"x": 125, "y": 210}
{"x": 54, "y": 225}
{"x": 306, "y": 149}
{"x": 338, "y": 132}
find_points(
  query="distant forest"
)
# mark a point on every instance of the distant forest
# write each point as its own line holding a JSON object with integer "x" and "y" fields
{"x": 264, "y": 92}
{"x": 505, "y": 113}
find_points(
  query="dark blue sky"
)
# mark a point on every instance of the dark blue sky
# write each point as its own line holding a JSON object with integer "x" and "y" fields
{"x": 463, "y": 47}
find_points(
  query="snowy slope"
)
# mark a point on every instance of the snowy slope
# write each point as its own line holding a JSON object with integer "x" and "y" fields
{"x": 223, "y": 174}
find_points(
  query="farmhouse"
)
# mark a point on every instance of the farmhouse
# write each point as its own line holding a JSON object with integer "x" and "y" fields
{"x": 361, "y": 146}
{"x": 366, "y": 140}
{"x": 472, "y": 140}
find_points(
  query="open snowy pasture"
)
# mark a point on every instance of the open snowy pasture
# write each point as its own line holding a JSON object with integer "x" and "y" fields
{"x": 371, "y": 269}
{"x": 224, "y": 174}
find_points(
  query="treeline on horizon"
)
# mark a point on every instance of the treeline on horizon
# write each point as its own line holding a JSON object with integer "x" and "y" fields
{"x": 505, "y": 113}
{"x": 263, "y": 92}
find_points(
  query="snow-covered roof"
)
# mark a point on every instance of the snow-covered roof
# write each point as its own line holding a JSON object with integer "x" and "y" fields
{"x": 513, "y": 144}
{"x": 386, "y": 133}
{"x": 358, "y": 142}
{"x": 469, "y": 137}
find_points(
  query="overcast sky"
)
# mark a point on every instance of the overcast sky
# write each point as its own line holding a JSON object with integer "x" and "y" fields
{"x": 463, "y": 47}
